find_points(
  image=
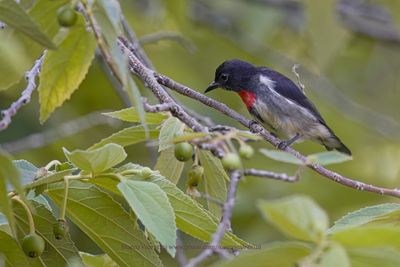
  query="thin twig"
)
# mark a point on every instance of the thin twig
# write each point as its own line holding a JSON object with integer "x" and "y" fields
{"x": 273, "y": 175}
{"x": 25, "y": 98}
{"x": 223, "y": 226}
{"x": 294, "y": 70}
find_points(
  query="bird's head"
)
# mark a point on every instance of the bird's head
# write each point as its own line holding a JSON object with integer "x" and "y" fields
{"x": 233, "y": 75}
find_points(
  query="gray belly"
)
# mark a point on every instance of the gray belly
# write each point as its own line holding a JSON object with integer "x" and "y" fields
{"x": 286, "y": 119}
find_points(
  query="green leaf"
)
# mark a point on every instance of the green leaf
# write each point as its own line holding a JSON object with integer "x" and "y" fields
{"x": 387, "y": 211}
{"x": 282, "y": 254}
{"x": 129, "y": 136}
{"x": 189, "y": 136}
{"x": 7, "y": 173}
{"x": 368, "y": 236}
{"x": 25, "y": 50}
{"x": 169, "y": 166}
{"x": 51, "y": 178}
{"x": 58, "y": 252}
{"x": 12, "y": 252}
{"x": 152, "y": 207}
{"x": 97, "y": 160}
{"x": 64, "y": 70}
{"x": 280, "y": 156}
{"x": 102, "y": 260}
{"x": 297, "y": 216}
{"x": 214, "y": 180}
{"x": 169, "y": 130}
{"x": 328, "y": 157}
{"x": 13, "y": 15}
{"x": 372, "y": 257}
{"x": 106, "y": 223}
{"x": 335, "y": 255}
{"x": 27, "y": 170}
{"x": 131, "y": 115}
{"x": 191, "y": 217}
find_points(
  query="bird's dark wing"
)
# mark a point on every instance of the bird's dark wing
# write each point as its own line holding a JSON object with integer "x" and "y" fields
{"x": 288, "y": 89}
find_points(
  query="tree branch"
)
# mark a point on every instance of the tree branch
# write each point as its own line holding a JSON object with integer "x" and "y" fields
{"x": 25, "y": 98}
{"x": 258, "y": 129}
{"x": 223, "y": 226}
{"x": 273, "y": 175}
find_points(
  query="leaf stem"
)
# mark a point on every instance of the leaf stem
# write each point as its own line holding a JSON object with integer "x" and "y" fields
{"x": 27, "y": 211}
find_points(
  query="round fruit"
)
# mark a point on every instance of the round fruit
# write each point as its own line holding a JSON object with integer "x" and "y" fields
{"x": 66, "y": 16}
{"x": 146, "y": 172}
{"x": 33, "y": 245}
{"x": 195, "y": 175}
{"x": 231, "y": 161}
{"x": 183, "y": 151}
{"x": 246, "y": 151}
{"x": 60, "y": 229}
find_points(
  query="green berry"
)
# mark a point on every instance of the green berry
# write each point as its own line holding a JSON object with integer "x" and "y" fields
{"x": 246, "y": 151}
{"x": 183, "y": 151}
{"x": 195, "y": 175}
{"x": 66, "y": 16}
{"x": 33, "y": 245}
{"x": 146, "y": 172}
{"x": 231, "y": 161}
{"x": 60, "y": 229}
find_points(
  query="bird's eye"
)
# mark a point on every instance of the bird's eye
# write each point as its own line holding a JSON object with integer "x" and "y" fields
{"x": 224, "y": 77}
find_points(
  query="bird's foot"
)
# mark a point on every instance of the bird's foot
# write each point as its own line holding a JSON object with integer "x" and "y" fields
{"x": 283, "y": 145}
{"x": 253, "y": 126}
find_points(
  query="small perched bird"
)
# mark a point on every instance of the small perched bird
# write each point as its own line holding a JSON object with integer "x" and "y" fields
{"x": 277, "y": 103}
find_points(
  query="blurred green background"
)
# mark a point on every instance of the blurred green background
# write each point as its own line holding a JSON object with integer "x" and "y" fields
{"x": 349, "y": 56}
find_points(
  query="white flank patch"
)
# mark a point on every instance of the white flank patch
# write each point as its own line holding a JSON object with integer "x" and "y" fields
{"x": 267, "y": 81}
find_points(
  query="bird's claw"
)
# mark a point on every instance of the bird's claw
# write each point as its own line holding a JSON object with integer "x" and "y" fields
{"x": 282, "y": 145}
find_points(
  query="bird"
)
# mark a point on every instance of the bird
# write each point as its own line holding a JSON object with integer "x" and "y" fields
{"x": 277, "y": 103}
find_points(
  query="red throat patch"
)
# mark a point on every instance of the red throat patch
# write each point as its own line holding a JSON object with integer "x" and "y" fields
{"x": 248, "y": 98}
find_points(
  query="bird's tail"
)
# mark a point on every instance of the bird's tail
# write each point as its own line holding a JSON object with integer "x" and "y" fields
{"x": 334, "y": 143}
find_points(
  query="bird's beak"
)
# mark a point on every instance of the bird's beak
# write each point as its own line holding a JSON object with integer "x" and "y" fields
{"x": 211, "y": 87}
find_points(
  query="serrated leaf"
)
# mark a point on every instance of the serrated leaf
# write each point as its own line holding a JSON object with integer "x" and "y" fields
{"x": 106, "y": 223}
{"x": 191, "y": 217}
{"x": 64, "y": 70}
{"x": 58, "y": 252}
{"x": 280, "y": 156}
{"x": 129, "y": 136}
{"x": 51, "y": 178}
{"x": 297, "y": 216}
{"x": 387, "y": 211}
{"x": 102, "y": 260}
{"x": 169, "y": 130}
{"x": 97, "y": 160}
{"x": 7, "y": 173}
{"x": 13, "y": 15}
{"x": 368, "y": 236}
{"x": 25, "y": 50}
{"x": 214, "y": 180}
{"x": 335, "y": 255}
{"x": 27, "y": 170}
{"x": 280, "y": 254}
{"x": 131, "y": 115}
{"x": 328, "y": 157}
{"x": 152, "y": 207}
{"x": 12, "y": 252}
{"x": 169, "y": 166}
{"x": 372, "y": 257}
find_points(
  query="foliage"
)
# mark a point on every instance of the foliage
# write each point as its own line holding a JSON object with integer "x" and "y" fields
{"x": 129, "y": 194}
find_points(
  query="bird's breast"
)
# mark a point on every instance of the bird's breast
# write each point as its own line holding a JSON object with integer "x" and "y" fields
{"x": 249, "y": 98}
